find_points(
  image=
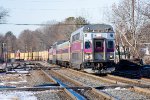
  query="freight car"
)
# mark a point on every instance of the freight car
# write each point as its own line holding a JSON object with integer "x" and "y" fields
{"x": 28, "y": 56}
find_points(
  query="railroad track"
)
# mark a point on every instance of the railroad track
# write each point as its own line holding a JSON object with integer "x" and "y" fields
{"x": 36, "y": 93}
{"x": 35, "y": 85}
{"x": 146, "y": 79}
{"x": 87, "y": 92}
{"x": 114, "y": 89}
{"x": 39, "y": 81}
{"x": 133, "y": 82}
{"x": 140, "y": 82}
{"x": 130, "y": 87}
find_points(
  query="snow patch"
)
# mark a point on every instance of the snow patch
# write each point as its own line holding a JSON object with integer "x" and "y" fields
{"x": 17, "y": 95}
{"x": 117, "y": 88}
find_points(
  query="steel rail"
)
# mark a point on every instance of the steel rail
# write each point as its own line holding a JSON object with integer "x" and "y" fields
{"x": 95, "y": 92}
{"x": 138, "y": 83}
{"x": 138, "y": 88}
{"x": 69, "y": 91}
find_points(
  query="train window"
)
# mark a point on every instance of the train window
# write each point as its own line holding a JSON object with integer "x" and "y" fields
{"x": 85, "y": 35}
{"x": 76, "y": 37}
{"x": 110, "y": 44}
{"x": 98, "y": 44}
{"x": 73, "y": 38}
{"x": 87, "y": 44}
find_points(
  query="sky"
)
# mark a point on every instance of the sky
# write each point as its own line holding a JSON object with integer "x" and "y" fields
{"x": 42, "y": 11}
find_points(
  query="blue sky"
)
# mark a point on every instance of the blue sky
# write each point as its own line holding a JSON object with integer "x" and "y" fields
{"x": 41, "y": 11}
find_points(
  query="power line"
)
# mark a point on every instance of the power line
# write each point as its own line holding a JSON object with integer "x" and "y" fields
{"x": 36, "y": 0}
{"x": 93, "y": 8}
{"x": 45, "y": 9}
{"x": 25, "y": 24}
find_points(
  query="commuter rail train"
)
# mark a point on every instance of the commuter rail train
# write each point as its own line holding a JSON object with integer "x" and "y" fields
{"x": 90, "y": 48}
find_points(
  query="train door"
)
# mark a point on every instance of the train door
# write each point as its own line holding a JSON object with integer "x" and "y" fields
{"x": 99, "y": 49}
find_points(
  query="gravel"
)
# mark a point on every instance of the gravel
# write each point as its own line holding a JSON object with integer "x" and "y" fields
{"x": 30, "y": 95}
{"x": 143, "y": 81}
{"x": 83, "y": 79}
{"x": 119, "y": 93}
{"x": 125, "y": 94}
{"x": 60, "y": 78}
{"x": 24, "y": 80}
{"x": 88, "y": 94}
{"x": 17, "y": 95}
{"x": 37, "y": 77}
{"x": 52, "y": 95}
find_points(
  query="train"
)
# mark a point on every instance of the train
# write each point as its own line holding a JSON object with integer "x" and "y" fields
{"x": 90, "y": 48}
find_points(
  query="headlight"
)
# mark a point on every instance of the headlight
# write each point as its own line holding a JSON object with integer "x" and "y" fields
{"x": 111, "y": 56}
{"x": 88, "y": 56}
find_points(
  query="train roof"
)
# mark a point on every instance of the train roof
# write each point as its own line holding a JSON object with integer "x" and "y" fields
{"x": 59, "y": 42}
{"x": 98, "y": 28}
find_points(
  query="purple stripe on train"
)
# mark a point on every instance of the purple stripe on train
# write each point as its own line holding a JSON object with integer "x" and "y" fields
{"x": 101, "y": 50}
{"x": 65, "y": 50}
{"x": 76, "y": 46}
{"x": 98, "y": 49}
{"x": 54, "y": 51}
{"x": 110, "y": 50}
{"x": 59, "y": 51}
{"x": 88, "y": 50}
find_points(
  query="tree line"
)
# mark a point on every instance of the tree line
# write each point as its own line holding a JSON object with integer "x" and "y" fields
{"x": 130, "y": 19}
{"x": 43, "y": 37}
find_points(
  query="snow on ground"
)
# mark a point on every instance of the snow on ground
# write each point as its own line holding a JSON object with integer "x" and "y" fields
{"x": 17, "y": 95}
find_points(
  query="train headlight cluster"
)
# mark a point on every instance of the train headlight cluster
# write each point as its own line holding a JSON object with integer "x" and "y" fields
{"x": 88, "y": 56}
{"x": 111, "y": 56}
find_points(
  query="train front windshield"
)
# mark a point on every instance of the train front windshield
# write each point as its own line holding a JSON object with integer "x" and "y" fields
{"x": 98, "y": 44}
{"x": 110, "y": 44}
{"x": 87, "y": 44}
{"x": 98, "y": 47}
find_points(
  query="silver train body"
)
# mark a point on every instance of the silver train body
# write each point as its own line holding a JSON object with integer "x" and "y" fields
{"x": 90, "y": 48}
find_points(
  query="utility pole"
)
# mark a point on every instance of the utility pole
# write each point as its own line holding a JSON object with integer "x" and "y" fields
{"x": 133, "y": 25}
{"x": 133, "y": 3}
{"x": 2, "y": 53}
{"x": 133, "y": 19}
{"x": 5, "y": 54}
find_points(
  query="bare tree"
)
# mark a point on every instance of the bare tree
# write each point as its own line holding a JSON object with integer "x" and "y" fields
{"x": 11, "y": 41}
{"x": 1, "y": 44}
{"x": 127, "y": 20}
{"x": 62, "y": 30}
{"x": 44, "y": 37}
{"x": 145, "y": 9}
{"x": 25, "y": 40}
{"x": 3, "y": 14}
